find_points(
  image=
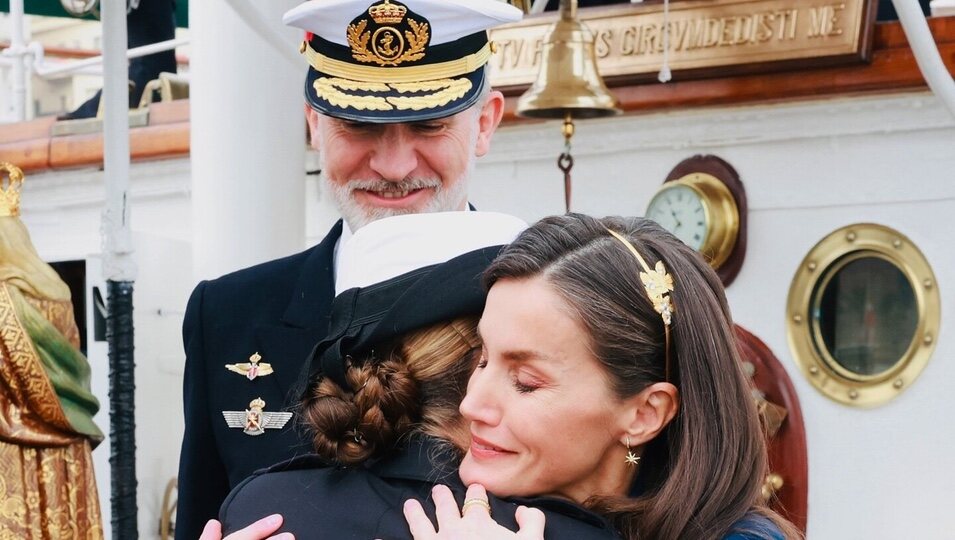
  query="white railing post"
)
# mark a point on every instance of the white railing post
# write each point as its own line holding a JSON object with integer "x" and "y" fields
{"x": 19, "y": 70}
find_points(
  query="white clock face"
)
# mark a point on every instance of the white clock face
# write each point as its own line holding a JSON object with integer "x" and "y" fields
{"x": 679, "y": 210}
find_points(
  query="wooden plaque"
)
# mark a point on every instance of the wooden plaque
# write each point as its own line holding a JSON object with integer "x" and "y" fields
{"x": 707, "y": 37}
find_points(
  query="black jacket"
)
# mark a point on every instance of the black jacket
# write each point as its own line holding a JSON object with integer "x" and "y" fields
{"x": 278, "y": 309}
{"x": 322, "y": 502}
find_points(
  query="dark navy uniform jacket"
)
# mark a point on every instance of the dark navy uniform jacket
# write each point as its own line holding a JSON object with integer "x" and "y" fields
{"x": 322, "y": 502}
{"x": 279, "y": 310}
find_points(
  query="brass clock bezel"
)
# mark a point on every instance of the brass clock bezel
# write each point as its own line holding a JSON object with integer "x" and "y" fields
{"x": 823, "y": 261}
{"x": 720, "y": 213}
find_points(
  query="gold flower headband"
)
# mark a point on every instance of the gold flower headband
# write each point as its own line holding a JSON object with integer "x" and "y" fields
{"x": 658, "y": 284}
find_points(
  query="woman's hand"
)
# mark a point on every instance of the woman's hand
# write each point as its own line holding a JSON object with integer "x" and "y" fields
{"x": 260, "y": 530}
{"x": 475, "y": 523}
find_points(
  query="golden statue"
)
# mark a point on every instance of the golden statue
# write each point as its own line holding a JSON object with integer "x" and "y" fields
{"x": 47, "y": 487}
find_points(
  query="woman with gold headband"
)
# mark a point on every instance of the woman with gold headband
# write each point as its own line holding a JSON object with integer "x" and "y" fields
{"x": 607, "y": 389}
{"x": 47, "y": 487}
{"x": 609, "y": 376}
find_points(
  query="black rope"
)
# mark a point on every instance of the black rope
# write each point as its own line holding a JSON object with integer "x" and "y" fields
{"x": 122, "y": 409}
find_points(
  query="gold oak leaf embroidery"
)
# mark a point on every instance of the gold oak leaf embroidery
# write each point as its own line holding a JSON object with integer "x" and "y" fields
{"x": 358, "y": 40}
{"x": 417, "y": 38}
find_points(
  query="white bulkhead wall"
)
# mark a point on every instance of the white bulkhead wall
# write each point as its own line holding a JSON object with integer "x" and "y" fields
{"x": 808, "y": 169}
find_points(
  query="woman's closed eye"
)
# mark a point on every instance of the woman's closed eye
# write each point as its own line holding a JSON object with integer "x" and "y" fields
{"x": 523, "y": 381}
{"x": 481, "y": 358}
{"x": 526, "y": 383}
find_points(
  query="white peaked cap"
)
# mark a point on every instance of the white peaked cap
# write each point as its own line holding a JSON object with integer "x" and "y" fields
{"x": 450, "y": 19}
{"x": 393, "y": 246}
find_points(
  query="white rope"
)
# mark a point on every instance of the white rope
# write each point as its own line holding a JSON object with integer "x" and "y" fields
{"x": 254, "y": 20}
{"x": 665, "y": 74}
{"x": 926, "y": 52}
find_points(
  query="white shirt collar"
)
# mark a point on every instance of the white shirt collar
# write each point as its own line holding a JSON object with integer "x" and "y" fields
{"x": 346, "y": 236}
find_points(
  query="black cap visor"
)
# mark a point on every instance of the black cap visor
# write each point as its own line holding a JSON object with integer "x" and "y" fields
{"x": 383, "y": 103}
{"x": 367, "y": 317}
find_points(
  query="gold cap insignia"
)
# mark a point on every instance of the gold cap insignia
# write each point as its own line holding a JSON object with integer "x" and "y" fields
{"x": 387, "y": 13}
{"x": 388, "y": 45}
{"x": 10, "y": 189}
{"x": 254, "y": 420}
{"x": 252, "y": 368}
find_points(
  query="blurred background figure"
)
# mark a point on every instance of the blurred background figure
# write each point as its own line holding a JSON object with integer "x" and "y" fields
{"x": 148, "y": 21}
{"x": 47, "y": 487}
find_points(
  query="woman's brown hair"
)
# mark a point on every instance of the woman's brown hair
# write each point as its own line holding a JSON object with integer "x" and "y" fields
{"x": 703, "y": 473}
{"x": 412, "y": 385}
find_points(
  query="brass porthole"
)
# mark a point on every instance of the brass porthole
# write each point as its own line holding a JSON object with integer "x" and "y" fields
{"x": 863, "y": 314}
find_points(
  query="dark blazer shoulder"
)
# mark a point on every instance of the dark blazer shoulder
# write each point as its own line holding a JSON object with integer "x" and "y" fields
{"x": 289, "y": 266}
{"x": 314, "y": 499}
{"x": 267, "y": 291}
{"x": 251, "y": 275}
{"x": 297, "y": 463}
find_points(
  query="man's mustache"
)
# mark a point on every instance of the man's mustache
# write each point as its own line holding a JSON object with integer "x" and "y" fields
{"x": 387, "y": 185}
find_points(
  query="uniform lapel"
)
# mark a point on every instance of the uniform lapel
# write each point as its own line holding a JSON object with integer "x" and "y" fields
{"x": 315, "y": 288}
{"x": 287, "y": 348}
{"x": 305, "y": 320}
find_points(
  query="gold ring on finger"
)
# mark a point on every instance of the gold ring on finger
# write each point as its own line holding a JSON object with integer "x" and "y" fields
{"x": 475, "y": 502}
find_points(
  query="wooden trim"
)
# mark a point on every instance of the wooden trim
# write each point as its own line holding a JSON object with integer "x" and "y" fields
{"x": 29, "y": 155}
{"x": 169, "y": 112}
{"x": 21, "y": 131}
{"x": 788, "y": 454}
{"x": 160, "y": 141}
{"x": 892, "y": 69}
{"x": 716, "y": 166}
{"x": 76, "y": 151}
{"x": 30, "y": 146}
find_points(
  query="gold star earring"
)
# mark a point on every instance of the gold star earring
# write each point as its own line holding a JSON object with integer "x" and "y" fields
{"x": 632, "y": 459}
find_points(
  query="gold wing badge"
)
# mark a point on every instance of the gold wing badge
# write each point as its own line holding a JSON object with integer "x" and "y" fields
{"x": 254, "y": 420}
{"x": 251, "y": 369}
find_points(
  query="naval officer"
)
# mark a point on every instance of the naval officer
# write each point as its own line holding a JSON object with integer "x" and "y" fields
{"x": 399, "y": 107}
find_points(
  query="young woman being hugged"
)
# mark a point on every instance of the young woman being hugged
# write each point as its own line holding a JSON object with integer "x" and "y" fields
{"x": 609, "y": 376}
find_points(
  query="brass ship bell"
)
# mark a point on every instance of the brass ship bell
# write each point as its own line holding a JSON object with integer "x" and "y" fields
{"x": 568, "y": 80}
{"x": 568, "y": 85}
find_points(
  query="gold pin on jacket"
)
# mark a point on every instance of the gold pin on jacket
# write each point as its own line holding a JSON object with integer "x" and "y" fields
{"x": 251, "y": 369}
{"x": 254, "y": 420}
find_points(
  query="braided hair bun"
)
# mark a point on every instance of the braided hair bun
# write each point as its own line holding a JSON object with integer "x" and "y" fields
{"x": 415, "y": 385}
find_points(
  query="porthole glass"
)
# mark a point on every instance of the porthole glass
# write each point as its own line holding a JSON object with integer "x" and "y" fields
{"x": 866, "y": 314}
{"x": 863, "y": 314}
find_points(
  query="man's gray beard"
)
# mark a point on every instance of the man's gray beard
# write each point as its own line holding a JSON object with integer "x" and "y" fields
{"x": 357, "y": 215}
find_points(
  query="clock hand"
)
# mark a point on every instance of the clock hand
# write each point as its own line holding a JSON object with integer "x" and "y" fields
{"x": 678, "y": 224}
